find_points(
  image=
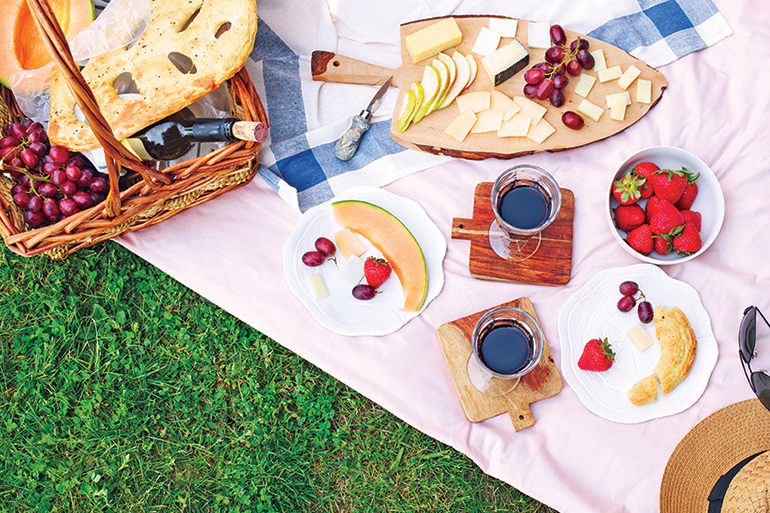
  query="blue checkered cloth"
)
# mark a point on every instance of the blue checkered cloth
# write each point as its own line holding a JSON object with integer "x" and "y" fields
{"x": 300, "y": 164}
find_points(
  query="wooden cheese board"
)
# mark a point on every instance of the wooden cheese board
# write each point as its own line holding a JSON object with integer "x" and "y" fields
{"x": 428, "y": 135}
{"x": 550, "y": 265}
{"x": 542, "y": 382}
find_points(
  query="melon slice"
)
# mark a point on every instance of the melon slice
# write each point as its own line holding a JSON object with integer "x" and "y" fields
{"x": 21, "y": 47}
{"x": 394, "y": 240}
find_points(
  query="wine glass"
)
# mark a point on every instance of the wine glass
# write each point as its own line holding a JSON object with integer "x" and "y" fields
{"x": 507, "y": 343}
{"x": 525, "y": 200}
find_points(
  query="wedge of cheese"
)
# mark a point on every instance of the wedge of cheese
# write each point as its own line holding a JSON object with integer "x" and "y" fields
{"x": 517, "y": 126}
{"x": 433, "y": 39}
{"x": 486, "y": 42}
{"x": 502, "y": 102}
{"x": 459, "y": 128}
{"x": 533, "y": 110}
{"x": 475, "y": 101}
{"x": 541, "y": 131}
{"x": 505, "y": 62}
{"x": 487, "y": 121}
{"x": 506, "y": 27}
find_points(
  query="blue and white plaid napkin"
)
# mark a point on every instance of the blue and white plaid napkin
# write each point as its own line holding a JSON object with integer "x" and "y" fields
{"x": 308, "y": 117}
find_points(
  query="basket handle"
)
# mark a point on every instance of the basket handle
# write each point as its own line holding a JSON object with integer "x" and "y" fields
{"x": 115, "y": 153}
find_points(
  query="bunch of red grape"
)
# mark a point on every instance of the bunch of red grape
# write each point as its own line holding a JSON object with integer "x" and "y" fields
{"x": 546, "y": 80}
{"x": 628, "y": 301}
{"x": 50, "y": 183}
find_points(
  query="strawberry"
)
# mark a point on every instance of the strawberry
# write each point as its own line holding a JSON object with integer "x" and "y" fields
{"x": 649, "y": 208}
{"x": 376, "y": 271}
{"x": 666, "y": 219}
{"x": 688, "y": 196}
{"x": 662, "y": 244}
{"x": 645, "y": 169}
{"x": 688, "y": 241}
{"x": 628, "y": 217}
{"x": 669, "y": 184}
{"x": 627, "y": 190}
{"x": 692, "y": 215}
{"x": 597, "y": 356}
{"x": 640, "y": 239}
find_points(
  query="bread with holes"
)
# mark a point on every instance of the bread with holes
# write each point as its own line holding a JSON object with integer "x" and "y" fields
{"x": 214, "y": 36}
{"x": 678, "y": 346}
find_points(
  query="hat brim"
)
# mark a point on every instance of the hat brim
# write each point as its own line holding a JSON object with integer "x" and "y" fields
{"x": 709, "y": 450}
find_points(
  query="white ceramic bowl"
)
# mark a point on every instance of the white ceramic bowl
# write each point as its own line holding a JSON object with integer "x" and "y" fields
{"x": 710, "y": 202}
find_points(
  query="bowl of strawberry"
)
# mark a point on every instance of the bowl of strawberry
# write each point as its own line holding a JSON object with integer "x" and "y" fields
{"x": 665, "y": 206}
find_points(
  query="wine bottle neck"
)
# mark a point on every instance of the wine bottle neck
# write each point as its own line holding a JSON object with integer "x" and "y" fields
{"x": 228, "y": 129}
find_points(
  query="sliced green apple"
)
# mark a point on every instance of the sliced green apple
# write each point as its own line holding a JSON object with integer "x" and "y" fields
{"x": 407, "y": 110}
{"x": 461, "y": 81}
{"x": 431, "y": 81}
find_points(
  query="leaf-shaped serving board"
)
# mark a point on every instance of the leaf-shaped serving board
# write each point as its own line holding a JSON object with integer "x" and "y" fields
{"x": 428, "y": 135}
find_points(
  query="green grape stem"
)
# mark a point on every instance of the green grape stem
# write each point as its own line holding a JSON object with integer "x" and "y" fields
{"x": 571, "y": 54}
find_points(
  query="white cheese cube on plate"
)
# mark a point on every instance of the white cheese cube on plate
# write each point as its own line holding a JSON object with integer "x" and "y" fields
{"x": 589, "y": 109}
{"x": 506, "y": 27}
{"x": 584, "y": 85}
{"x": 486, "y": 41}
{"x": 459, "y": 128}
{"x": 538, "y": 35}
{"x": 608, "y": 74}
{"x": 505, "y": 62}
{"x": 639, "y": 337}
{"x": 475, "y": 101}
{"x": 517, "y": 126}
{"x": 487, "y": 121}
{"x": 629, "y": 76}
{"x": 317, "y": 286}
{"x": 643, "y": 91}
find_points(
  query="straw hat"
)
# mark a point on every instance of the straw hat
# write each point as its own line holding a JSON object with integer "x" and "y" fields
{"x": 711, "y": 449}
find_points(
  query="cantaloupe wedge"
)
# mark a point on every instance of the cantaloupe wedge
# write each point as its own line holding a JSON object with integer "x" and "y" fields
{"x": 21, "y": 47}
{"x": 394, "y": 240}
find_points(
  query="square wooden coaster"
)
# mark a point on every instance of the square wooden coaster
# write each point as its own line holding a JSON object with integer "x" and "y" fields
{"x": 550, "y": 265}
{"x": 543, "y": 381}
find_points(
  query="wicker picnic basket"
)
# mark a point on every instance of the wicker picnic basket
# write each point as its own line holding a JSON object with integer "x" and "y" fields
{"x": 155, "y": 195}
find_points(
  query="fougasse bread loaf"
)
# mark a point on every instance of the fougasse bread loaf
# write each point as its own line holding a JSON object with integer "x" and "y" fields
{"x": 677, "y": 354}
{"x": 215, "y": 36}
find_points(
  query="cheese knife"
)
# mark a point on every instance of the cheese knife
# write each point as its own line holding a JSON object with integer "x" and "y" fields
{"x": 347, "y": 145}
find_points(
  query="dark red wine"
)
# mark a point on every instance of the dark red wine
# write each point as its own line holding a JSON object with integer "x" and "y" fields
{"x": 505, "y": 347}
{"x": 174, "y": 136}
{"x": 523, "y": 207}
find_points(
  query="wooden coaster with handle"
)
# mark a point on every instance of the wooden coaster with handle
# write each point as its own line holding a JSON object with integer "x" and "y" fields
{"x": 544, "y": 380}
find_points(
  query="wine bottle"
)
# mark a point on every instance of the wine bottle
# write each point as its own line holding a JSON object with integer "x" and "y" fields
{"x": 175, "y": 135}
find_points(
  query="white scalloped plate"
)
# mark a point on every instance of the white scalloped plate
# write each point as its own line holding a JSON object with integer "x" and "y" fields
{"x": 340, "y": 312}
{"x": 592, "y": 313}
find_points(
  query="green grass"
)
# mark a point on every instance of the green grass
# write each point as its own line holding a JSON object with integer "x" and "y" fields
{"x": 122, "y": 390}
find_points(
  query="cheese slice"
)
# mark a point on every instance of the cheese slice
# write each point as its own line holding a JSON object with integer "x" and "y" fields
{"x": 600, "y": 62}
{"x": 504, "y": 103}
{"x": 584, "y": 85}
{"x": 611, "y": 97}
{"x": 618, "y": 108}
{"x": 486, "y": 41}
{"x": 541, "y": 131}
{"x": 506, "y": 27}
{"x": 433, "y": 39}
{"x": 589, "y": 109}
{"x": 475, "y": 101}
{"x": 643, "y": 91}
{"x": 538, "y": 35}
{"x": 517, "y": 126}
{"x": 505, "y": 62}
{"x": 350, "y": 272}
{"x": 317, "y": 286}
{"x": 461, "y": 125}
{"x": 639, "y": 337}
{"x": 487, "y": 121}
{"x": 348, "y": 243}
{"x": 608, "y": 74}
{"x": 529, "y": 108}
{"x": 629, "y": 76}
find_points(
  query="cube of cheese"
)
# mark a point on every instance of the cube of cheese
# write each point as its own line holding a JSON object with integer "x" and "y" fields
{"x": 639, "y": 337}
{"x": 541, "y": 131}
{"x": 585, "y": 84}
{"x": 643, "y": 91}
{"x": 629, "y": 76}
{"x": 589, "y": 109}
{"x": 608, "y": 74}
{"x": 458, "y": 129}
{"x": 599, "y": 61}
{"x": 475, "y": 101}
{"x": 611, "y": 97}
{"x": 529, "y": 108}
{"x": 517, "y": 126}
{"x": 487, "y": 121}
{"x": 618, "y": 108}
{"x": 433, "y": 39}
{"x": 506, "y": 27}
{"x": 317, "y": 286}
{"x": 505, "y": 62}
{"x": 486, "y": 41}
{"x": 504, "y": 103}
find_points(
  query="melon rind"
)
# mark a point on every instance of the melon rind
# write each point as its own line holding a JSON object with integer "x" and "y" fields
{"x": 393, "y": 239}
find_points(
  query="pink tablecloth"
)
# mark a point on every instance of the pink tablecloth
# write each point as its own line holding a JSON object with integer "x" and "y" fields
{"x": 229, "y": 250}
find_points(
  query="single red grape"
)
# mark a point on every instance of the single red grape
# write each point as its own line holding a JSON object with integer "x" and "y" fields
{"x": 51, "y": 210}
{"x": 325, "y": 246}
{"x": 38, "y": 148}
{"x": 560, "y": 81}
{"x": 645, "y": 312}
{"x": 30, "y": 158}
{"x": 68, "y": 188}
{"x": 555, "y": 54}
{"x": 629, "y": 288}
{"x": 58, "y": 177}
{"x": 529, "y": 90}
{"x": 534, "y": 76}
{"x": 16, "y": 130}
{"x": 364, "y": 292}
{"x": 544, "y": 89}
{"x": 35, "y": 203}
{"x": 59, "y": 154}
{"x": 85, "y": 178}
{"x": 572, "y": 120}
{"x": 585, "y": 59}
{"x": 68, "y": 207}
{"x": 579, "y": 43}
{"x": 47, "y": 189}
{"x": 557, "y": 98}
{"x": 574, "y": 67}
{"x": 313, "y": 258}
{"x": 626, "y": 303}
{"x": 9, "y": 141}
{"x": 73, "y": 173}
{"x": 557, "y": 35}
{"x": 21, "y": 199}
{"x": 99, "y": 184}
{"x": 83, "y": 199}
{"x": 33, "y": 218}
{"x": 38, "y": 136}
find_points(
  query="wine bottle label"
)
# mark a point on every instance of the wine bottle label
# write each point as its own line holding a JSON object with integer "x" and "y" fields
{"x": 136, "y": 147}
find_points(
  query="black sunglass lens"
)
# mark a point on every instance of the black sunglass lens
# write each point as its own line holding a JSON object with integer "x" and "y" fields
{"x": 748, "y": 335}
{"x": 761, "y": 382}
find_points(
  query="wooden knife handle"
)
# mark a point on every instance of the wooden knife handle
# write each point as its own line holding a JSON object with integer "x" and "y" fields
{"x": 330, "y": 67}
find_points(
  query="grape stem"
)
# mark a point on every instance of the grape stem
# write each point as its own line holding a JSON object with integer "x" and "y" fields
{"x": 7, "y": 168}
{"x": 571, "y": 54}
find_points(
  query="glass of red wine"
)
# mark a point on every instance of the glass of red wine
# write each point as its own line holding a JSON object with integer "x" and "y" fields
{"x": 507, "y": 343}
{"x": 525, "y": 200}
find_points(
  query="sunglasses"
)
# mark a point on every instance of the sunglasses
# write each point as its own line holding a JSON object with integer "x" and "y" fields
{"x": 747, "y": 339}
